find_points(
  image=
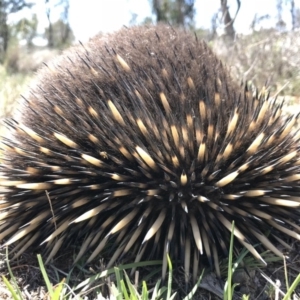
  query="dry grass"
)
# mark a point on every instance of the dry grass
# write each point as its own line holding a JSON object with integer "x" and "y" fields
{"x": 11, "y": 87}
{"x": 264, "y": 57}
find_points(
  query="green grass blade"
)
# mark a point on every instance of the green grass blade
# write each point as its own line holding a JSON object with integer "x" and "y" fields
{"x": 228, "y": 289}
{"x": 124, "y": 290}
{"x": 145, "y": 294}
{"x": 58, "y": 290}
{"x": 133, "y": 292}
{"x": 86, "y": 283}
{"x": 45, "y": 276}
{"x": 190, "y": 295}
{"x": 288, "y": 295}
{"x": 156, "y": 291}
{"x": 169, "y": 290}
{"x": 13, "y": 279}
{"x": 119, "y": 285}
{"x": 285, "y": 274}
{"x": 11, "y": 289}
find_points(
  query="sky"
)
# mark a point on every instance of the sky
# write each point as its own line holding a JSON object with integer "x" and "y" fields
{"x": 88, "y": 17}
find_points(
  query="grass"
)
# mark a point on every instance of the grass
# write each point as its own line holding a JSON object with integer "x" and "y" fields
{"x": 121, "y": 286}
{"x": 11, "y": 86}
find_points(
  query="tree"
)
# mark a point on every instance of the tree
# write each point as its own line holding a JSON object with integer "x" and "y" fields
{"x": 26, "y": 29}
{"x": 49, "y": 32}
{"x": 66, "y": 32}
{"x": 257, "y": 19}
{"x": 223, "y": 18}
{"x": 8, "y": 7}
{"x": 175, "y": 12}
{"x": 280, "y": 22}
{"x": 62, "y": 33}
{"x": 227, "y": 19}
{"x": 295, "y": 15}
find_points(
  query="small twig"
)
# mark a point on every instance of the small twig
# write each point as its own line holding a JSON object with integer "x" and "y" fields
{"x": 50, "y": 203}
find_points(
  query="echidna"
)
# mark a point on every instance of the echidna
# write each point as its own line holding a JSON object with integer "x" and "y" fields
{"x": 141, "y": 139}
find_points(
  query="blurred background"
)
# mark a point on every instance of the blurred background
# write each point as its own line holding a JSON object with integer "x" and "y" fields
{"x": 259, "y": 40}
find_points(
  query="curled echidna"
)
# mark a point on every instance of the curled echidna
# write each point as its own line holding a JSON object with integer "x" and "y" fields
{"x": 141, "y": 139}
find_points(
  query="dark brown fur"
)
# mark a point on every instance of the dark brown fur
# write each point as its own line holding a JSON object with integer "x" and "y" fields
{"x": 118, "y": 126}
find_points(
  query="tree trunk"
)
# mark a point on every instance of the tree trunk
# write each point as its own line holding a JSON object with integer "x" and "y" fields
{"x": 227, "y": 20}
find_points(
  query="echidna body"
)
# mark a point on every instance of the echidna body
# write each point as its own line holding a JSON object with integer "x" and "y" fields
{"x": 140, "y": 139}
